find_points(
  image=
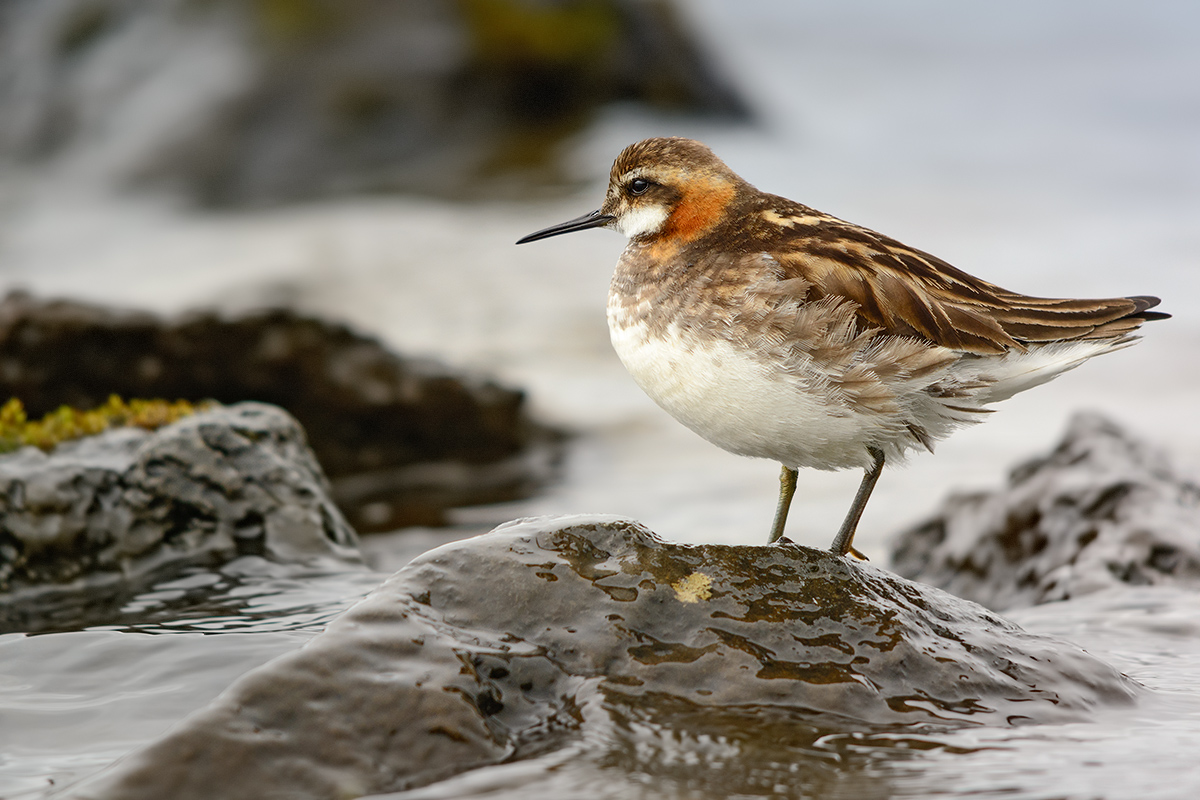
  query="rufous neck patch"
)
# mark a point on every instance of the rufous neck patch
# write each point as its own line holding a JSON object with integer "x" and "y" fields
{"x": 700, "y": 209}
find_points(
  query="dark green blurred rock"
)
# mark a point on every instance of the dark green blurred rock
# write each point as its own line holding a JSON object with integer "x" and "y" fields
{"x": 281, "y": 100}
{"x": 591, "y": 635}
{"x": 401, "y": 439}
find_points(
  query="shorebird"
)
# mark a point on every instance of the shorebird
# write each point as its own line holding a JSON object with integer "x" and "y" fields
{"x": 777, "y": 331}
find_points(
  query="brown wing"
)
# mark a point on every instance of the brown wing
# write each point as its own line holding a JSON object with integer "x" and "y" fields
{"x": 910, "y": 293}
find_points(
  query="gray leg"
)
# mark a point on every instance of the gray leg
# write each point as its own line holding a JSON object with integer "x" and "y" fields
{"x": 843, "y": 543}
{"x": 787, "y": 488}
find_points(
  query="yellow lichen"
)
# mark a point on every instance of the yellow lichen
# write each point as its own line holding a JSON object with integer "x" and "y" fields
{"x": 693, "y": 588}
{"x": 66, "y": 423}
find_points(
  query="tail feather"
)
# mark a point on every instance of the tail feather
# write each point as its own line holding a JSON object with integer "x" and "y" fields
{"x": 1034, "y": 321}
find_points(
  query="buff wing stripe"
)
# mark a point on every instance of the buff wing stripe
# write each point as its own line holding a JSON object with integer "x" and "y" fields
{"x": 906, "y": 292}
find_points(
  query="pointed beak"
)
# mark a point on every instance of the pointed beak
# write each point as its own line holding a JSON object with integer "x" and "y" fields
{"x": 591, "y": 220}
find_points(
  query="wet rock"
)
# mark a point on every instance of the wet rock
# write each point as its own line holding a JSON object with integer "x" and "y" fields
{"x": 105, "y": 513}
{"x": 251, "y": 103}
{"x": 1101, "y": 510}
{"x": 548, "y": 632}
{"x": 401, "y": 439}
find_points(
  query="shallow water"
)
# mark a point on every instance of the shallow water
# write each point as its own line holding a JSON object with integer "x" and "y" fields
{"x": 111, "y": 688}
{"x": 1050, "y": 147}
{"x": 73, "y": 701}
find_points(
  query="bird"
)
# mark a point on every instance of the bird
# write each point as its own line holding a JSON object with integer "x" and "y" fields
{"x": 777, "y": 331}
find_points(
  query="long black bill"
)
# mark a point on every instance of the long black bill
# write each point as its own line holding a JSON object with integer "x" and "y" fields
{"x": 593, "y": 219}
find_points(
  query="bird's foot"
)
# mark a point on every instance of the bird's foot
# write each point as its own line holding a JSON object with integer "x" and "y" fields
{"x": 850, "y": 551}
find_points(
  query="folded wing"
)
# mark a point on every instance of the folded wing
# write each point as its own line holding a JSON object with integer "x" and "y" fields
{"x": 907, "y": 292}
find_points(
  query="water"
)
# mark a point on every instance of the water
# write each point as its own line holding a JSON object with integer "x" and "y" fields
{"x": 72, "y": 701}
{"x": 1051, "y": 147}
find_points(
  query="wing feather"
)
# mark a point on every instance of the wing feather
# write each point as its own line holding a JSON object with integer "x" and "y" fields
{"x": 906, "y": 292}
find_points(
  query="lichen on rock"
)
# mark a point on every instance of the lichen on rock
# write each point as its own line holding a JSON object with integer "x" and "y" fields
{"x": 67, "y": 423}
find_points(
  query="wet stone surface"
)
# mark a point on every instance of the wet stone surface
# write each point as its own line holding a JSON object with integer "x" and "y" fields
{"x": 1102, "y": 510}
{"x": 91, "y": 522}
{"x": 548, "y": 635}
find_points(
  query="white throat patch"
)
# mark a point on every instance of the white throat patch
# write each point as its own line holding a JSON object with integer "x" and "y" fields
{"x": 641, "y": 221}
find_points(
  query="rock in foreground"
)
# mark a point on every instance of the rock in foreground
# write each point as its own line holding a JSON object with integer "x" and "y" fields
{"x": 108, "y": 510}
{"x": 1101, "y": 510}
{"x": 522, "y": 640}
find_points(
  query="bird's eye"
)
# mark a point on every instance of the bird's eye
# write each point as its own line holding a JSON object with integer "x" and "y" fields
{"x": 638, "y": 186}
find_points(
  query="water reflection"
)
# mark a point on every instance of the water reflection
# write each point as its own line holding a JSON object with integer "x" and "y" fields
{"x": 249, "y": 594}
{"x": 692, "y": 752}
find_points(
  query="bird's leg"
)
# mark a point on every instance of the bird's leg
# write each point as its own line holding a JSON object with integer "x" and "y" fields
{"x": 787, "y": 488}
{"x": 843, "y": 542}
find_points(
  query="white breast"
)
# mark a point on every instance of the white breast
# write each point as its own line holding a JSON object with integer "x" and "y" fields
{"x": 738, "y": 402}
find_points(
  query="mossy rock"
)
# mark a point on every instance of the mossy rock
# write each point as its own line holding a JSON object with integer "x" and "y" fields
{"x": 66, "y": 423}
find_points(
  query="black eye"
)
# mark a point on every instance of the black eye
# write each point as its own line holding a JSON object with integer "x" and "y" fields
{"x": 638, "y": 186}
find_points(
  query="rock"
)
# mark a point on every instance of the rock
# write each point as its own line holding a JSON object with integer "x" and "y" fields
{"x": 110, "y": 511}
{"x": 250, "y": 103}
{"x": 401, "y": 440}
{"x": 545, "y": 632}
{"x": 1101, "y": 510}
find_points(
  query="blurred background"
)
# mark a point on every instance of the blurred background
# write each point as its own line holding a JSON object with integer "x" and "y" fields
{"x": 372, "y": 162}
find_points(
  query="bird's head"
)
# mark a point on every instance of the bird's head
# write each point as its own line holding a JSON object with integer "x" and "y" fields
{"x": 666, "y": 187}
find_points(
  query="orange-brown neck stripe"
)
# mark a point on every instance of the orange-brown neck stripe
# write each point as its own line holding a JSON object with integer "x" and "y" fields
{"x": 699, "y": 211}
